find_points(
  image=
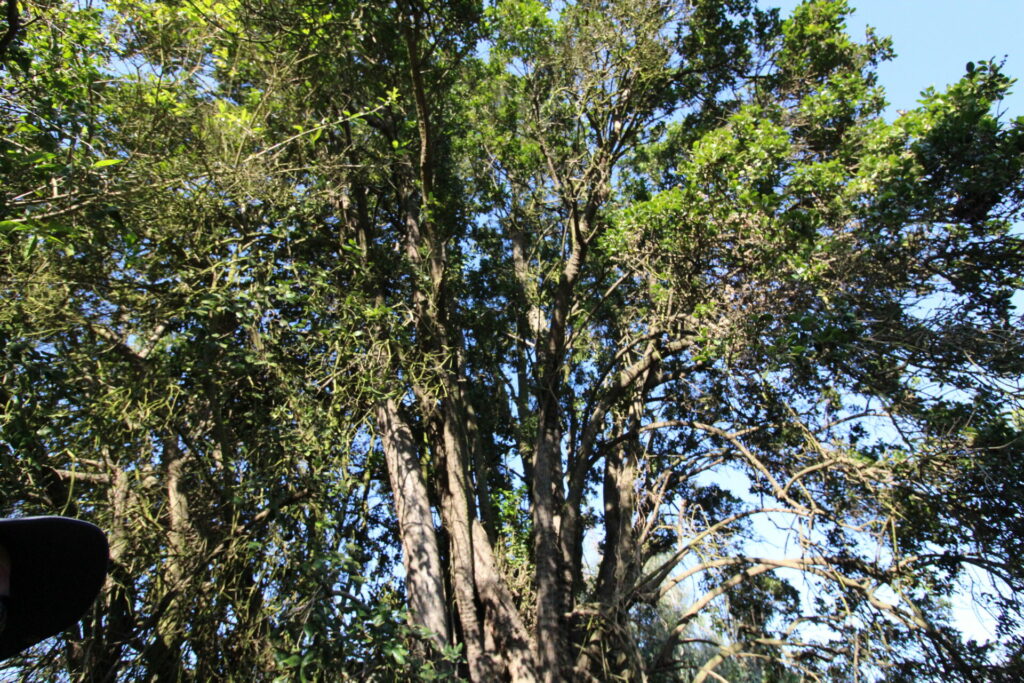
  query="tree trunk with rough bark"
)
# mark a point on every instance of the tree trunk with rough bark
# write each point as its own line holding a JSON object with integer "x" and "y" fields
{"x": 420, "y": 553}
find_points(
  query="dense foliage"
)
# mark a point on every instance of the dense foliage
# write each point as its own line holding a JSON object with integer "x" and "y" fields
{"x": 603, "y": 340}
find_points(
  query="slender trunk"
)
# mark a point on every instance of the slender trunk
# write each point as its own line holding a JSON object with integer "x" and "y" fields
{"x": 551, "y": 590}
{"x": 552, "y": 599}
{"x": 166, "y": 650}
{"x": 455, "y": 513}
{"x": 420, "y": 553}
{"x": 490, "y": 627}
{"x": 497, "y": 643}
{"x": 619, "y": 566}
{"x": 119, "y": 625}
{"x": 483, "y": 463}
{"x": 553, "y": 586}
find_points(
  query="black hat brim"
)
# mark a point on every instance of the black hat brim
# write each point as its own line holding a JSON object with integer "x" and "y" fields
{"x": 58, "y": 566}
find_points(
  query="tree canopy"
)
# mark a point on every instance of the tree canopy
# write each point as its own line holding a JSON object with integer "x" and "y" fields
{"x": 511, "y": 340}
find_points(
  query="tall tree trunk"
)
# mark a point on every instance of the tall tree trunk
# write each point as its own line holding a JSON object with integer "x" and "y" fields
{"x": 165, "y": 652}
{"x": 619, "y": 567}
{"x": 455, "y": 513}
{"x": 420, "y": 553}
{"x": 553, "y": 590}
{"x": 119, "y": 624}
{"x": 498, "y": 646}
{"x": 504, "y": 630}
{"x": 551, "y": 597}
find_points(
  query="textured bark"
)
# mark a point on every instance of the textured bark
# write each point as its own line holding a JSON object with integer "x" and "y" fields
{"x": 420, "y": 553}
{"x": 552, "y": 596}
{"x": 119, "y": 625}
{"x": 618, "y": 571}
{"x": 455, "y": 513}
{"x": 618, "y": 566}
{"x": 504, "y": 630}
{"x": 553, "y": 590}
{"x": 165, "y": 653}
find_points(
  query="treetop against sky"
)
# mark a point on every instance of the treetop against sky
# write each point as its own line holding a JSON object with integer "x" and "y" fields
{"x": 441, "y": 339}
{"x": 933, "y": 42}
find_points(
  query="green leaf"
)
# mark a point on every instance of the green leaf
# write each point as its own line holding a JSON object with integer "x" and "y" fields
{"x": 13, "y": 226}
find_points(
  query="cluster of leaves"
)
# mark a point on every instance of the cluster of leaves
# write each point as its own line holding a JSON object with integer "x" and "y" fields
{"x": 183, "y": 357}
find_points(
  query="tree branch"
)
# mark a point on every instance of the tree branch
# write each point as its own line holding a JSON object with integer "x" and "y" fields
{"x": 13, "y": 26}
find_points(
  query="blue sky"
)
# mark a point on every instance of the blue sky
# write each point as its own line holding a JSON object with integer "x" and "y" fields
{"x": 934, "y": 40}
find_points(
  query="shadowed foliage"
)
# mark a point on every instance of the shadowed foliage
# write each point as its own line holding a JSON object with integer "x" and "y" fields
{"x": 511, "y": 340}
